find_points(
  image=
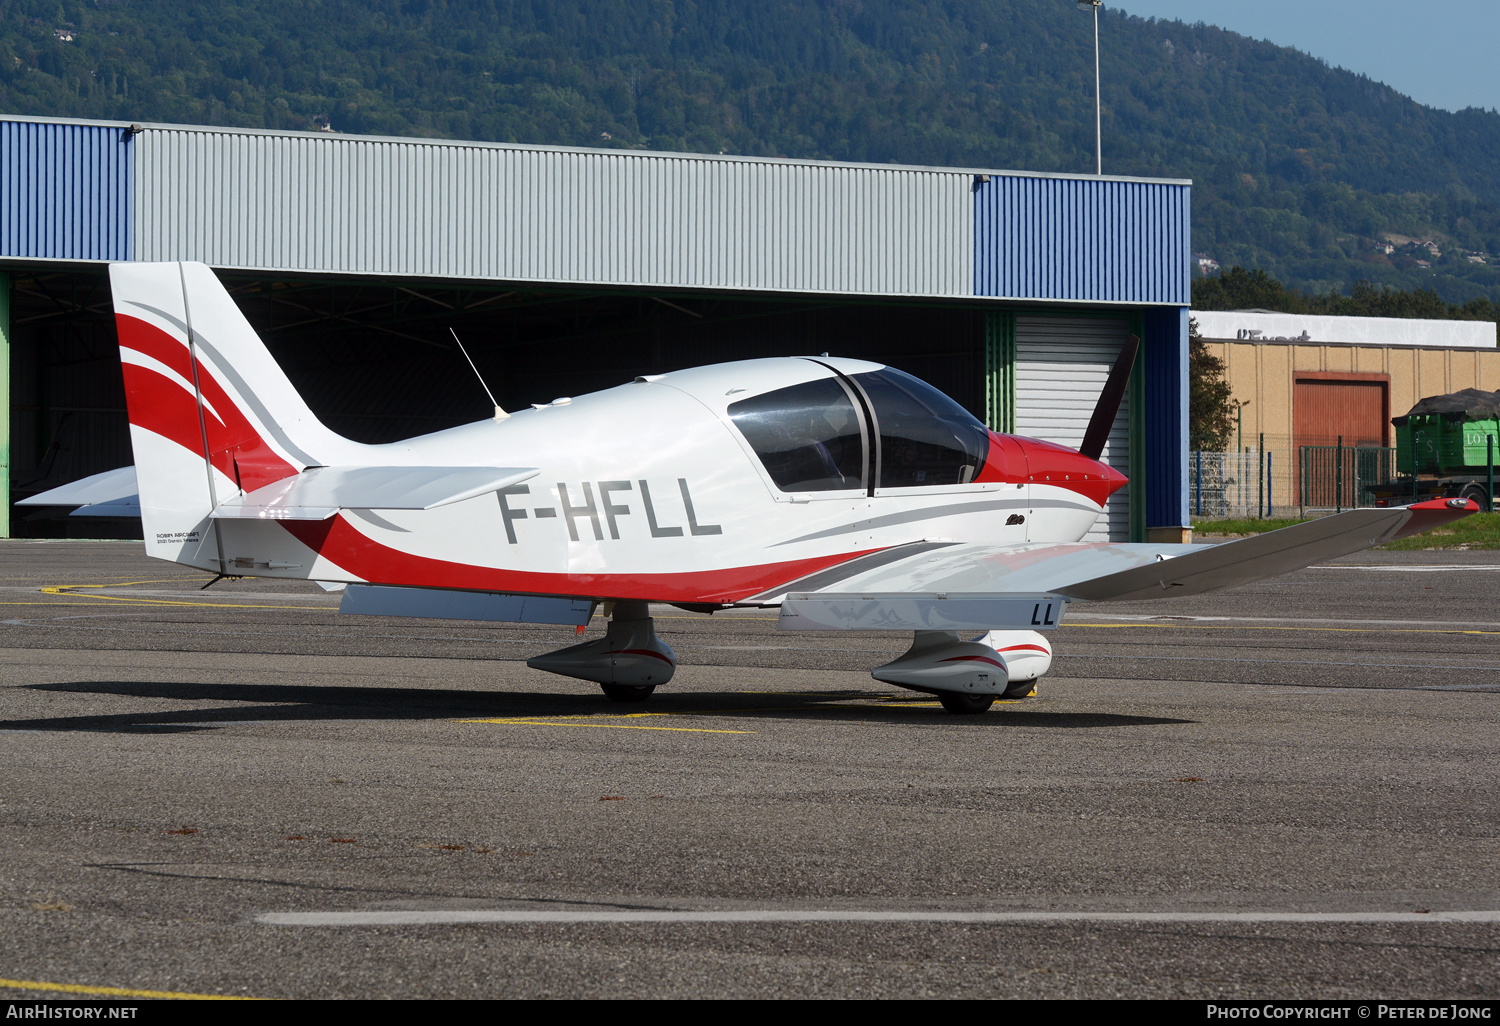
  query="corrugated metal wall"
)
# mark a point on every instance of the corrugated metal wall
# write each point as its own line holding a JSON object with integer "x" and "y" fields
{"x": 1061, "y": 366}
{"x": 458, "y": 210}
{"x": 296, "y": 201}
{"x": 1091, "y": 240}
{"x": 64, "y": 191}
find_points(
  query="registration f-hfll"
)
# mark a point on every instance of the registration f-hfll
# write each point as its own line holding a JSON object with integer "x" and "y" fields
{"x": 848, "y": 494}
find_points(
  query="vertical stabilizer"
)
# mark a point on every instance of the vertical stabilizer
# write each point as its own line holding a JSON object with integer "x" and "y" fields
{"x": 211, "y": 413}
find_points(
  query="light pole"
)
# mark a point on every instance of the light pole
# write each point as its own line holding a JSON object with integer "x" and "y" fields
{"x": 1094, "y": 5}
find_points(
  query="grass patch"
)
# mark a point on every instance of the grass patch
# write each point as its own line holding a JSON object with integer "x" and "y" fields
{"x": 1209, "y": 528}
{"x": 1480, "y": 531}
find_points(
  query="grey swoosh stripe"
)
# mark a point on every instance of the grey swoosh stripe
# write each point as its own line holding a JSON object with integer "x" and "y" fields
{"x": 239, "y": 383}
{"x": 912, "y": 516}
{"x": 844, "y": 571}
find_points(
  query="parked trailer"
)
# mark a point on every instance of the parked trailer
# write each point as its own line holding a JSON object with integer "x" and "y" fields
{"x": 1445, "y": 448}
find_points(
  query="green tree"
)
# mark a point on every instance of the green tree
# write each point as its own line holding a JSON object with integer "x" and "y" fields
{"x": 1239, "y": 289}
{"x": 1211, "y": 402}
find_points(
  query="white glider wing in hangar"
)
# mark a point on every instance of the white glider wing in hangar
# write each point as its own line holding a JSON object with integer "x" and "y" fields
{"x": 968, "y": 586}
{"x": 110, "y": 494}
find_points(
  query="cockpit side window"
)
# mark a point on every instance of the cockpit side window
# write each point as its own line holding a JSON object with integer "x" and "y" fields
{"x": 808, "y": 436}
{"x": 925, "y": 437}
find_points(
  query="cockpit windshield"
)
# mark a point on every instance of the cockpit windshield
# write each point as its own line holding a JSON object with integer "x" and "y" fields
{"x": 925, "y": 437}
{"x": 808, "y": 436}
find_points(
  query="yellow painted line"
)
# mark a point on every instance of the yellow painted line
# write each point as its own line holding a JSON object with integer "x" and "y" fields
{"x": 605, "y": 726}
{"x": 573, "y": 721}
{"x": 75, "y": 988}
{"x": 68, "y": 591}
{"x": 1333, "y": 630}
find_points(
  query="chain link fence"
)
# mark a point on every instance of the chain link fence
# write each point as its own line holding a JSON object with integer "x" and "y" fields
{"x": 1294, "y": 482}
{"x": 1231, "y": 484}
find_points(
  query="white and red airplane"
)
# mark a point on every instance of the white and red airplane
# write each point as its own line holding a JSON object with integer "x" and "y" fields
{"x": 851, "y": 495}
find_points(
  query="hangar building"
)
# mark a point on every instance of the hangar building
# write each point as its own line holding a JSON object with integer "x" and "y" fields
{"x": 569, "y": 270}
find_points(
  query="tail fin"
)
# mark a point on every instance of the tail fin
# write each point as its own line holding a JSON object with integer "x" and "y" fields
{"x": 211, "y": 413}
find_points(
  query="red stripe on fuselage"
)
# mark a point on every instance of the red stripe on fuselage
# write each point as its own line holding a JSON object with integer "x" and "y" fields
{"x": 339, "y": 543}
{"x": 237, "y": 448}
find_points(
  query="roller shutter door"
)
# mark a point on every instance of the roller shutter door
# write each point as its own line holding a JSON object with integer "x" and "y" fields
{"x": 1061, "y": 367}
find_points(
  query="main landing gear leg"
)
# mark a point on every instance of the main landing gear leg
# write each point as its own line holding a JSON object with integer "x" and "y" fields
{"x": 628, "y": 662}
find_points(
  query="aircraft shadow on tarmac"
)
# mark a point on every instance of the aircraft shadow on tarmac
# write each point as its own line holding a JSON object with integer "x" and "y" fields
{"x": 282, "y": 703}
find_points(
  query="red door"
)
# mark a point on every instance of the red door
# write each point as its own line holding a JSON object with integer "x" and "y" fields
{"x": 1325, "y": 408}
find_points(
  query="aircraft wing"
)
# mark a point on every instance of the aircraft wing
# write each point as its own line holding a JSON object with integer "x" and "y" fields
{"x": 319, "y": 492}
{"x": 110, "y": 494}
{"x": 962, "y": 586}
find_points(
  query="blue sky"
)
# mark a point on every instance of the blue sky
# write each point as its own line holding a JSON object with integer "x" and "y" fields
{"x": 1440, "y": 54}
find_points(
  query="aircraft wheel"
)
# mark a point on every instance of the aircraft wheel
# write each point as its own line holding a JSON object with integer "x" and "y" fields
{"x": 966, "y": 704}
{"x": 628, "y": 692}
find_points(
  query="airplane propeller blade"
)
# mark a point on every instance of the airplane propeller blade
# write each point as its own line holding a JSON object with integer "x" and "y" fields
{"x": 1109, "y": 400}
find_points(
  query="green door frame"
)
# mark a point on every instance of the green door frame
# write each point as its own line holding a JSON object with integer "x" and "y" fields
{"x": 1000, "y": 371}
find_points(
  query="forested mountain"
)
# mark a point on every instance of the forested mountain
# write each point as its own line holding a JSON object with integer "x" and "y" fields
{"x": 1305, "y": 171}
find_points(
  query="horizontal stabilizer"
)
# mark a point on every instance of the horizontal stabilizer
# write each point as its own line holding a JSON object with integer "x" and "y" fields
{"x": 826, "y": 611}
{"x": 110, "y": 494}
{"x": 320, "y": 492}
{"x": 442, "y": 604}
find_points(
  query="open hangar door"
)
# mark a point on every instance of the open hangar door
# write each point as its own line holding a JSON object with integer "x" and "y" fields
{"x": 67, "y": 396}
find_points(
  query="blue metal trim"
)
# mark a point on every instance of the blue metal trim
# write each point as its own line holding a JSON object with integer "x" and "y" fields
{"x": 65, "y": 191}
{"x": 1092, "y": 240}
{"x": 1165, "y": 347}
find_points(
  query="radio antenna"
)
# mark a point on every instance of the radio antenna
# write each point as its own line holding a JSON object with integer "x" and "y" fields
{"x": 499, "y": 413}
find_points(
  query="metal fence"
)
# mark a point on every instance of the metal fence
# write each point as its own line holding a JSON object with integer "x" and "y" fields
{"x": 1338, "y": 477}
{"x": 1231, "y": 484}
